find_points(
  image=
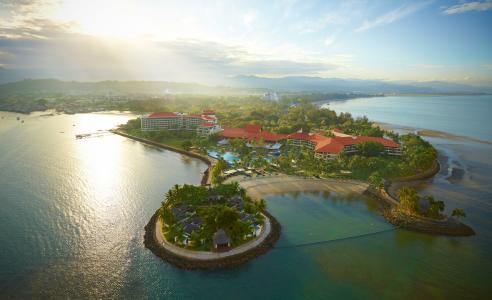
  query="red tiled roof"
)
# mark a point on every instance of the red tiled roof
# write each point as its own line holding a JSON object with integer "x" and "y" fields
{"x": 194, "y": 115}
{"x": 252, "y": 134}
{"x": 383, "y": 141}
{"x": 253, "y": 128}
{"x": 157, "y": 115}
{"x": 206, "y": 125}
{"x": 323, "y": 144}
{"x": 273, "y": 137}
{"x": 299, "y": 136}
{"x": 163, "y": 115}
{"x": 330, "y": 145}
{"x": 234, "y": 133}
{"x": 208, "y": 117}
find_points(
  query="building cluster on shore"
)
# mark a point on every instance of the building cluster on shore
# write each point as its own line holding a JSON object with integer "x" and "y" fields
{"x": 323, "y": 147}
{"x": 187, "y": 218}
{"x": 204, "y": 124}
{"x": 207, "y": 123}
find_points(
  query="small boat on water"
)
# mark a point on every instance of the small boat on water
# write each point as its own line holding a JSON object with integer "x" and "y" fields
{"x": 81, "y": 136}
{"x": 22, "y": 121}
{"x": 18, "y": 118}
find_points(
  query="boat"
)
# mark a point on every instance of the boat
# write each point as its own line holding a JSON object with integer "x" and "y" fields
{"x": 81, "y": 136}
{"x": 18, "y": 118}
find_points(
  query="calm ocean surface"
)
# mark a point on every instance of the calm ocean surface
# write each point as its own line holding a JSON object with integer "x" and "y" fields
{"x": 462, "y": 115}
{"x": 73, "y": 211}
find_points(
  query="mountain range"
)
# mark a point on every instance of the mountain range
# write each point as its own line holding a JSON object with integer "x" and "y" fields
{"x": 238, "y": 84}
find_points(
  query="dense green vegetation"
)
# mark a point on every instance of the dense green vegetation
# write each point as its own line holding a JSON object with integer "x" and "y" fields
{"x": 205, "y": 211}
{"x": 418, "y": 154}
{"x": 413, "y": 204}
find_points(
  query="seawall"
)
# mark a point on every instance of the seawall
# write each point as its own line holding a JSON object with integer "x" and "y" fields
{"x": 207, "y": 175}
{"x": 221, "y": 263}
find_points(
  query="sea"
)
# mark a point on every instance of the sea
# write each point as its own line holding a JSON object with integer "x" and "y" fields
{"x": 73, "y": 213}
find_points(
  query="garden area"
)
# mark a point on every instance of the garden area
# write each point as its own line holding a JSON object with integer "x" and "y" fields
{"x": 370, "y": 163}
{"x": 192, "y": 215}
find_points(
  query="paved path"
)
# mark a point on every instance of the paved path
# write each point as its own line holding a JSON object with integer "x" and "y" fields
{"x": 258, "y": 187}
{"x": 203, "y": 255}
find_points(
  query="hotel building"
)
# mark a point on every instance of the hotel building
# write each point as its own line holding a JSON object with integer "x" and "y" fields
{"x": 323, "y": 147}
{"x": 204, "y": 124}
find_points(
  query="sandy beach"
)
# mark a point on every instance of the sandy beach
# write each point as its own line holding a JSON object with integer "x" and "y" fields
{"x": 259, "y": 187}
{"x": 430, "y": 133}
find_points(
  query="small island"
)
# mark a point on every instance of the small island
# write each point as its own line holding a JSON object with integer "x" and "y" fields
{"x": 211, "y": 219}
{"x": 425, "y": 214}
{"x": 210, "y": 228}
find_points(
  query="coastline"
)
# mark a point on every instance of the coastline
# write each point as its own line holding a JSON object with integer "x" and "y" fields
{"x": 257, "y": 187}
{"x": 207, "y": 176}
{"x": 231, "y": 261}
{"x": 430, "y": 133}
{"x": 262, "y": 186}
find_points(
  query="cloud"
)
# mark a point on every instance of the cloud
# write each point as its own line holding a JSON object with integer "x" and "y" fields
{"x": 329, "y": 40}
{"x": 43, "y": 48}
{"x": 229, "y": 60}
{"x": 427, "y": 66}
{"x": 34, "y": 28}
{"x": 468, "y": 6}
{"x": 392, "y": 16}
{"x": 249, "y": 17}
{"x": 319, "y": 24}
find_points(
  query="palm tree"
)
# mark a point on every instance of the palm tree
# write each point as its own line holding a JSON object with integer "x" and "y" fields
{"x": 458, "y": 213}
{"x": 409, "y": 200}
{"x": 261, "y": 205}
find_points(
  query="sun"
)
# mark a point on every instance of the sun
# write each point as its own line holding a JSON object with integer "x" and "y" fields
{"x": 114, "y": 19}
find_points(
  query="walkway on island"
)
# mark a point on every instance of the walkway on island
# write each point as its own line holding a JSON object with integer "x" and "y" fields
{"x": 258, "y": 187}
{"x": 206, "y": 255}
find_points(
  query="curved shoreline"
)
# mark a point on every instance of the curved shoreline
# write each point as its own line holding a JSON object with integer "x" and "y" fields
{"x": 210, "y": 264}
{"x": 257, "y": 187}
{"x": 206, "y": 179}
{"x": 447, "y": 226}
{"x": 262, "y": 186}
{"x": 210, "y": 255}
{"x": 285, "y": 183}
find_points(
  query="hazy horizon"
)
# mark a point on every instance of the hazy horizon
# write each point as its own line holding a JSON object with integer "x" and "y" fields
{"x": 209, "y": 43}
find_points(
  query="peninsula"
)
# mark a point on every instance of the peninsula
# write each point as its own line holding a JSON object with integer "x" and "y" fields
{"x": 288, "y": 148}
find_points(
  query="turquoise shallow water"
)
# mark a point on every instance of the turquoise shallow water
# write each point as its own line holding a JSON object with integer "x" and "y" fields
{"x": 461, "y": 115}
{"x": 73, "y": 212}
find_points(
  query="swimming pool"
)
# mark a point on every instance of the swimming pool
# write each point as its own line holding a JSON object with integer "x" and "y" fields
{"x": 229, "y": 157}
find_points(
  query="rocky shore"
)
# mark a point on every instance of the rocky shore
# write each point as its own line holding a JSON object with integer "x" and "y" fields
{"x": 447, "y": 226}
{"x": 221, "y": 263}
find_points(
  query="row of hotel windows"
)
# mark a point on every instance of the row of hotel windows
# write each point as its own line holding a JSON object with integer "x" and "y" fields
{"x": 347, "y": 149}
{"x": 187, "y": 123}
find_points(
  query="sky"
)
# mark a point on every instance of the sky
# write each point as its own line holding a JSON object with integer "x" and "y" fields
{"x": 211, "y": 41}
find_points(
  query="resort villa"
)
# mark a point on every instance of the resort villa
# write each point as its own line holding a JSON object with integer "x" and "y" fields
{"x": 207, "y": 123}
{"x": 323, "y": 147}
{"x": 204, "y": 123}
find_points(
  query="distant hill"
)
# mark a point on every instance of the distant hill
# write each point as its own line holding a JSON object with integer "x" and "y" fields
{"x": 337, "y": 85}
{"x": 54, "y": 86}
{"x": 238, "y": 84}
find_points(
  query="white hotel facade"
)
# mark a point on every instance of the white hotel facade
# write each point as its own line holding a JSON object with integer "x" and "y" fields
{"x": 204, "y": 124}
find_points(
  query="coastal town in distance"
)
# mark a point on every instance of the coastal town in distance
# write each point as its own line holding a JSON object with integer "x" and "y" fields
{"x": 245, "y": 150}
